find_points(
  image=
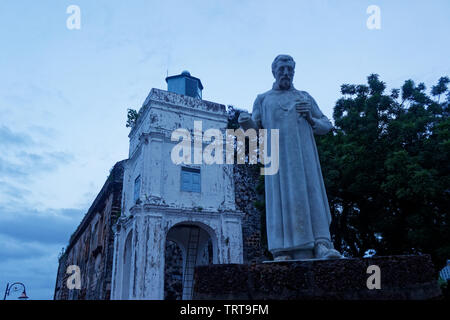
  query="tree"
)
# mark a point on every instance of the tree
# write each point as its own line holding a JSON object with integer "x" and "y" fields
{"x": 386, "y": 169}
{"x": 132, "y": 116}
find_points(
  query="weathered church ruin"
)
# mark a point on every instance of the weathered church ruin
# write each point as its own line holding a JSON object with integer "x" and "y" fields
{"x": 154, "y": 221}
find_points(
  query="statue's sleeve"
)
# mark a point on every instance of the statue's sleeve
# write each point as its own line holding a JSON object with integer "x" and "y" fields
{"x": 254, "y": 122}
{"x": 256, "y": 113}
{"x": 322, "y": 125}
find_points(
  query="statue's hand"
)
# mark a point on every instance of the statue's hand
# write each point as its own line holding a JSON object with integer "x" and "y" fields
{"x": 304, "y": 109}
{"x": 246, "y": 122}
{"x": 244, "y": 116}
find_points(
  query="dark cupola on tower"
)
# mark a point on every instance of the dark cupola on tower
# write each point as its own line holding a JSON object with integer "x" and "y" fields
{"x": 185, "y": 84}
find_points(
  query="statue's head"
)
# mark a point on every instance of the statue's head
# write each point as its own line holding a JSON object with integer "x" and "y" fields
{"x": 283, "y": 69}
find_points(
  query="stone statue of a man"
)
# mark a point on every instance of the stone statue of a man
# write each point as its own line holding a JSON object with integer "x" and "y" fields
{"x": 297, "y": 212}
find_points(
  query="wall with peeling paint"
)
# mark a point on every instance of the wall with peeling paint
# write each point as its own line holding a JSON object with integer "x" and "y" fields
{"x": 163, "y": 213}
{"x": 161, "y": 204}
{"x": 91, "y": 245}
{"x": 150, "y": 155}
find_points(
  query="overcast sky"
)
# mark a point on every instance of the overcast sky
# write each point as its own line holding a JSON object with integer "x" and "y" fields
{"x": 64, "y": 93}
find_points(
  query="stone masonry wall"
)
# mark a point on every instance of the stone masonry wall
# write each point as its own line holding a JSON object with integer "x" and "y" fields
{"x": 91, "y": 246}
{"x": 246, "y": 178}
{"x": 409, "y": 277}
{"x": 173, "y": 269}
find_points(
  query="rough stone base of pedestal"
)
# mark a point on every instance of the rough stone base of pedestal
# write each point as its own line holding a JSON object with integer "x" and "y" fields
{"x": 401, "y": 278}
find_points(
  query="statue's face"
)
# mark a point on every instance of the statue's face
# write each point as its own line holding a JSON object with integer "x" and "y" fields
{"x": 284, "y": 74}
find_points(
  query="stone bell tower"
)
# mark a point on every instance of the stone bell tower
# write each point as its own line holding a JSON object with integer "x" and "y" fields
{"x": 192, "y": 205}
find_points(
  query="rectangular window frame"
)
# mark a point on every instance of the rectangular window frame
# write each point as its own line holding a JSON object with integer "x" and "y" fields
{"x": 190, "y": 174}
{"x": 137, "y": 188}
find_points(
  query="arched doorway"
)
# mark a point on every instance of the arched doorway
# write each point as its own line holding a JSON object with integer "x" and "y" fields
{"x": 126, "y": 270}
{"x": 173, "y": 271}
{"x": 187, "y": 245}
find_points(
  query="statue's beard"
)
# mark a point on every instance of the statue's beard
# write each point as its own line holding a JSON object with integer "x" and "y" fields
{"x": 284, "y": 84}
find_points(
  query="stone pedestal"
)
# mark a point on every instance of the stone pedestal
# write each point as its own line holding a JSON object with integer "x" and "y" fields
{"x": 401, "y": 278}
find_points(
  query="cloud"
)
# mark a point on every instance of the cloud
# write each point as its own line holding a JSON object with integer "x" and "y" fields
{"x": 50, "y": 227}
{"x": 37, "y": 273}
{"x": 46, "y": 161}
{"x": 24, "y": 165}
{"x": 11, "y": 191}
{"x": 30, "y": 242}
{"x": 31, "y": 239}
{"x": 22, "y": 158}
{"x": 46, "y": 132}
{"x": 9, "y": 169}
{"x": 9, "y": 138}
{"x": 13, "y": 248}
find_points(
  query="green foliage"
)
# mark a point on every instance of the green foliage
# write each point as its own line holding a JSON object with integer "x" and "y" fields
{"x": 132, "y": 116}
{"x": 233, "y": 116}
{"x": 441, "y": 87}
{"x": 260, "y": 205}
{"x": 387, "y": 171}
{"x": 443, "y": 284}
{"x": 62, "y": 254}
{"x": 445, "y": 288}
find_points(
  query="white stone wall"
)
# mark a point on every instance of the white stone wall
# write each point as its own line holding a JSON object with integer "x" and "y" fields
{"x": 149, "y": 225}
{"x": 150, "y": 157}
{"x": 162, "y": 204}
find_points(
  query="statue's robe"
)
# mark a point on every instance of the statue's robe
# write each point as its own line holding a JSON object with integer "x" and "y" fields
{"x": 297, "y": 211}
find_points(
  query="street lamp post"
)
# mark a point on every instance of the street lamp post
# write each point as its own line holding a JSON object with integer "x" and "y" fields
{"x": 23, "y": 296}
